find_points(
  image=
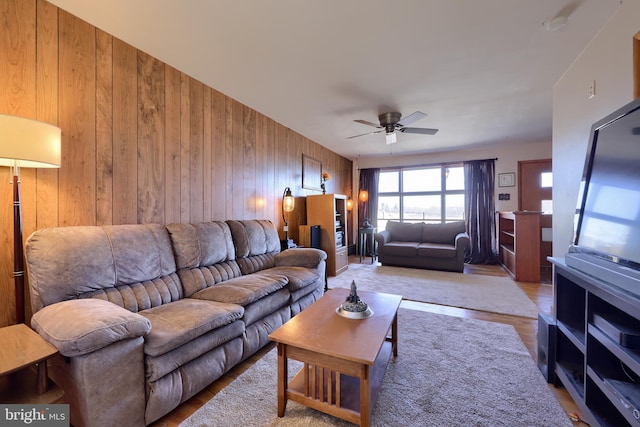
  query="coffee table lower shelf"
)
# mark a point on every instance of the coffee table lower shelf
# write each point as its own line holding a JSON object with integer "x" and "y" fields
{"x": 338, "y": 387}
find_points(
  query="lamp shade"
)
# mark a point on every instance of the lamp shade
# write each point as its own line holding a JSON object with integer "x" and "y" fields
{"x": 28, "y": 143}
{"x": 363, "y": 196}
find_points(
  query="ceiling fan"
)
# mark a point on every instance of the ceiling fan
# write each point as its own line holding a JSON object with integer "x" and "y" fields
{"x": 392, "y": 122}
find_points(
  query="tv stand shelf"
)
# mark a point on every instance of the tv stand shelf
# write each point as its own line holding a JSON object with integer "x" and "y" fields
{"x": 597, "y": 344}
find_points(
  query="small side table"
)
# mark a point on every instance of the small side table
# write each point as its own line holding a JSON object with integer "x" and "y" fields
{"x": 367, "y": 242}
{"x": 22, "y": 349}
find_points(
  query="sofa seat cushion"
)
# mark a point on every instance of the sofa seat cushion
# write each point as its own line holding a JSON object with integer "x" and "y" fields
{"x": 436, "y": 250}
{"x": 401, "y": 248}
{"x": 257, "y": 311}
{"x": 243, "y": 290}
{"x": 299, "y": 277}
{"x": 178, "y": 322}
{"x": 159, "y": 366}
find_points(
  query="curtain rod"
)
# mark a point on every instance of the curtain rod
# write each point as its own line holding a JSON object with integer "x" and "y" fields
{"x": 432, "y": 164}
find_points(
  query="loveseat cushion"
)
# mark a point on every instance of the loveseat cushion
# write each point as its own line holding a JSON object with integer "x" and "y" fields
{"x": 408, "y": 249}
{"x": 181, "y": 321}
{"x": 436, "y": 250}
{"x": 82, "y": 326}
{"x": 299, "y": 277}
{"x": 442, "y": 233}
{"x": 243, "y": 290}
{"x": 404, "y": 232}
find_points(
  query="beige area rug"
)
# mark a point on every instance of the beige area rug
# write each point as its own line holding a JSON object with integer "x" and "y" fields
{"x": 473, "y": 291}
{"x": 449, "y": 371}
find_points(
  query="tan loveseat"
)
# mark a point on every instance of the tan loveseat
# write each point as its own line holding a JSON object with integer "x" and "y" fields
{"x": 432, "y": 246}
{"x": 146, "y": 316}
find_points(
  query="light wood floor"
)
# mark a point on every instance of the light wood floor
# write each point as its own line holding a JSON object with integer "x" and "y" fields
{"x": 540, "y": 293}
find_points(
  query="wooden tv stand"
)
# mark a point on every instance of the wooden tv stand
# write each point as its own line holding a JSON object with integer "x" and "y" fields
{"x": 597, "y": 346}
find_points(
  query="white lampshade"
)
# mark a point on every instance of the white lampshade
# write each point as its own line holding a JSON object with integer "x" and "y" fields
{"x": 28, "y": 143}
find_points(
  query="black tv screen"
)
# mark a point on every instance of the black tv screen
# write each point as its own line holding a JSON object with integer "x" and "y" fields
{"x": 608, "y": 214}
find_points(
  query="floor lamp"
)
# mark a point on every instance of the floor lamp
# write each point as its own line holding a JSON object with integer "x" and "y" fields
{"x": 25, "y": 143}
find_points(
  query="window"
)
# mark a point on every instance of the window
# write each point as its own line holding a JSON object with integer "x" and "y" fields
{"x": 432, "y": 194}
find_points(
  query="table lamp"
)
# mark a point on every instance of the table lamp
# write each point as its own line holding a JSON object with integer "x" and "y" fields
{"x": 29, "y": 144}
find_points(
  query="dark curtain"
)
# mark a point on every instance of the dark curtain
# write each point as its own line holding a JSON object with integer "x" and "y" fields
{"x": 368, "y": 181}
{"x": 479, "y": 180}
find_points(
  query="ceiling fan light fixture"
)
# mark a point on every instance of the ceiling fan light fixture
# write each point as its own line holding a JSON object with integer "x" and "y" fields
{"x": 391, "y": 138}
{"x": 555, "y": 23}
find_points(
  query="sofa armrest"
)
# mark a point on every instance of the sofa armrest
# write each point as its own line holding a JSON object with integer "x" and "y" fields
{"x": 382, "y": 238}
{"x": 81, "y": 326}
{"x": 462, "y": 240}
{"x": 300, "y": 257}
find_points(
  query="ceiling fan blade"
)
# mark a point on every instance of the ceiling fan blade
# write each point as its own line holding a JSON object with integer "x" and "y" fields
{"x": 364, "y": 134}
{"x": 422, "y": 131}
{"x": 412, "y": 118}
{"x": 364, "y": 122}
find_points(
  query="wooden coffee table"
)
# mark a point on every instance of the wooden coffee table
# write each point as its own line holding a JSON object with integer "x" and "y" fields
{"x": 344, "y": 360}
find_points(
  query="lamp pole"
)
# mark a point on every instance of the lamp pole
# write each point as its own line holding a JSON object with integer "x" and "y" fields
{"x": 18, "y": 258}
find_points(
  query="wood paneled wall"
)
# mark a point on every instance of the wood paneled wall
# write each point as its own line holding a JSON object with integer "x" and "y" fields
{"x": 141, "y": 141}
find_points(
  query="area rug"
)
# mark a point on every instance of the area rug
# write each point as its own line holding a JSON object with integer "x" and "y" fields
{"x": 449, "y": 371}
{"x": 473, "y": 291}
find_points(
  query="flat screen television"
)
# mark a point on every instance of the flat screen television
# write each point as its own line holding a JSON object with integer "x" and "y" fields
{"x": 606, "y": 242}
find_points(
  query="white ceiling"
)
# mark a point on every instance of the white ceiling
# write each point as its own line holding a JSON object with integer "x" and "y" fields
{"x": 483, "y": 71}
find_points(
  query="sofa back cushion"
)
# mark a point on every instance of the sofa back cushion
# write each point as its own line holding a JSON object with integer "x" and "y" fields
{"x": 404, "y": 231}
{"x": 442, "y": 233}
{"x": 204, "y": 254}
{"x": 256, "y": 242}
{"x": 129, "y": 265}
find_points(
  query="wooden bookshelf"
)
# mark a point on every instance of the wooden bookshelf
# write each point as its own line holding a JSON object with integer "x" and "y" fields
{"x": 519, "y": 244}
{"x": 329, "y": 211}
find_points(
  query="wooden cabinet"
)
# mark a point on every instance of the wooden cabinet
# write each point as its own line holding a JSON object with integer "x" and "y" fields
{"x": 329, "y": 211}
{"x": 519, "y": 244}
{"x": 597, "y": 346}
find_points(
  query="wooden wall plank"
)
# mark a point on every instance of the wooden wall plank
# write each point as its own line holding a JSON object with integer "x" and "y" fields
{"x": 125, "y": 133}
{"x": 207, "y": 173}
{"x": 172, "y": 165}
{"x": 104, "y": 128}
{"x": 196, "y": 141}
{"x": 249, "y": 193}
{"x": 47, "y": 107}
{"x": 228, "y": 154}
{"x": 151, "y": 204}
{"x": 185, "y": 148}
{"x": 218, "y": 155}
{"x": 77, "y": 118}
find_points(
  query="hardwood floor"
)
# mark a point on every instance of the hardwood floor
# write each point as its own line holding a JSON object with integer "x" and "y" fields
{"x": 540, "y": 293}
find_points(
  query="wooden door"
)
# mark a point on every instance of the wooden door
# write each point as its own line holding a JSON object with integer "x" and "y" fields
{"x": 535, "y": 194}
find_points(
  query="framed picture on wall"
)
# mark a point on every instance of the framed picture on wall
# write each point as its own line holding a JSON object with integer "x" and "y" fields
{"x": 311, "y": 173}
{"x": 507, "y": 179}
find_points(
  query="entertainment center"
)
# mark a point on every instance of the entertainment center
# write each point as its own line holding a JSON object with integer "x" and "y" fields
{"x": 597, "y": 284}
